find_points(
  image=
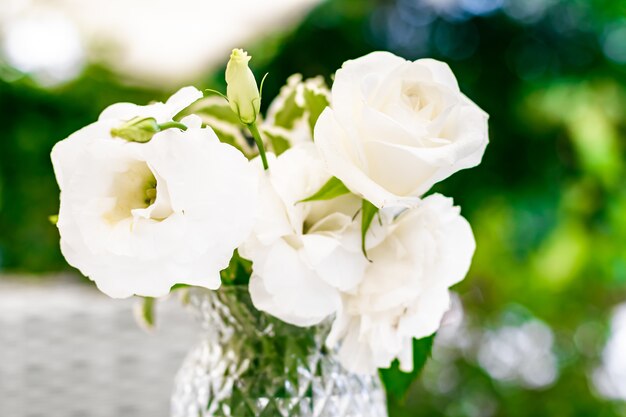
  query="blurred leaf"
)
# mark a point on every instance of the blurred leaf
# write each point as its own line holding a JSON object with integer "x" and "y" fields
{"x": 397, "y": 382}
{"x": 297, "y": 100}
{"x": 231, "y": 136}
{"x": 563, "y": 255}
{"x": 289, "y": 112}
{"x": 315, "y": 102}
{"x": 278, "y": 143}
{"x": 145, "y": 313}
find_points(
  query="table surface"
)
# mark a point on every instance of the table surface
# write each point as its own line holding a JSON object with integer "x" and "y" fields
{"x": 66, "y": 350}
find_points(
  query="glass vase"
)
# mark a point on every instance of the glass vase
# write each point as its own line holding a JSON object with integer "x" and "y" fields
{"x": 249, "y": 363}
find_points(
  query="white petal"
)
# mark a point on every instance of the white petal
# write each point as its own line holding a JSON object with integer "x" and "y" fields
{"x": 298, "y": 296}
{"x": 329, "y": 140}
{"x": 337, "y": 265}
{"x": 440, "y": 72}
{"x": 424, "y": 318}
{"x": 162, "y": 112}
{"x": 359, "y": 79}
{"x": 182, "y": 98}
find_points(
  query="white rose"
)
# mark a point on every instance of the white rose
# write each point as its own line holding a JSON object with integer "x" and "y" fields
{"x": 404, "y": 293}
{"x": 303, "y": 254}
{"x": 137, "y": 218}
{"x": 397, "y": 127}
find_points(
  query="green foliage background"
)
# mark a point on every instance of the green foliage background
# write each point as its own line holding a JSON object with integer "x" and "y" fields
{"x": 548, "y": 204}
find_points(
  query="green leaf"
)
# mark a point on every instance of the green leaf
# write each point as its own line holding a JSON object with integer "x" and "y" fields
{"x": 238, "y": 271}
{"x": 179, "y": 287}
{"x": 333, "y": 188}
{"x": 279, "y": 143}
{"x": 368, "y": 211}
{"x": 54, "y": 219}
{"x": 230, "y": 135}
{"x": 289, "y": 113}
{"x": 315, "y": 102}
{"x": 396, "y": 382}
{"x": 144, "y": 314}
{"x": 226, "y": 137}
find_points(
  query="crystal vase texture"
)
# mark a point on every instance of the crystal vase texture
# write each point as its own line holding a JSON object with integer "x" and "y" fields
{"x": 248, "y": 363}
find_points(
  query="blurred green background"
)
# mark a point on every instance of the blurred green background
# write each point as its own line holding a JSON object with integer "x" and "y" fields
{"x": 531, "y": 333}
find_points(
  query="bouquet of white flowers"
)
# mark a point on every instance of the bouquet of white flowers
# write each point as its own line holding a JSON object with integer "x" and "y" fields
{"x": 318, "y": 207}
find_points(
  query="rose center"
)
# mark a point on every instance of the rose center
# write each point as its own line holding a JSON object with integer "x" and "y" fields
{"x": 413, "y": 98}
{"x": 423, "y": 101}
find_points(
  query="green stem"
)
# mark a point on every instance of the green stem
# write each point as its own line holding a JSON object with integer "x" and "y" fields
{"x": 259, "y": 143}
{"x": 169, "y": 125}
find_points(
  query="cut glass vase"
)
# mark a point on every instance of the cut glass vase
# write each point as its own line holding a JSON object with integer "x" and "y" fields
{"x": 251, "y": 364}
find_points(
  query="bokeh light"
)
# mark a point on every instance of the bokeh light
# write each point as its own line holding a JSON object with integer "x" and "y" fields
{"x": 614, "y": 43}
{"x": 45, "y": 45}
{"x": 610, "y": 377}
{"x": 521, "y": 354}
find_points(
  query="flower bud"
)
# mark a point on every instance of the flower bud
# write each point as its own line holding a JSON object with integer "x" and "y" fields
{"x": 242, "y": 90}
{"x": 137, "y": 129}
{"x": 141, "y": 129}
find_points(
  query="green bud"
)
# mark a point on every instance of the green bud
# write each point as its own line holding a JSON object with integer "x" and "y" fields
{"x": 242, "y": 91}
{"x": 137, "y": 129}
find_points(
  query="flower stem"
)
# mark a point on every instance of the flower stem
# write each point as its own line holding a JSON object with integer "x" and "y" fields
{"x": 169, "y": 125}
{"x": 259, "y": 143}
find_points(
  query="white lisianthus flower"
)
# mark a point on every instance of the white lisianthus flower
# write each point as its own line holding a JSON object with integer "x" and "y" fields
{"x": 137, "y": 218}
{"x": 397, "y": 127}
{"x": 303, "y": 254}
{"x": 404, "y": 293}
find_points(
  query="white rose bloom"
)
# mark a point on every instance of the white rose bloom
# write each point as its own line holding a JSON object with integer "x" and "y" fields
{"x": 397, "y": 127}
{"x": 303, "y": 254}
{"x": 404, "y": 293}
{"x": 138, "y": 218}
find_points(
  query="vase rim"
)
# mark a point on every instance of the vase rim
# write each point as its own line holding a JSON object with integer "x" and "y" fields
{"x": 229, "y": 295}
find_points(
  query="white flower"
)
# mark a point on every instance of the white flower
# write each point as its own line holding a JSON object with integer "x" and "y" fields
{"x": 162, "y": 112}
{"x": 397, "y": 127}
{"x": 302, "y": 253}
{"x": 404, "y": 293}
{"x": 138, "y": 218}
